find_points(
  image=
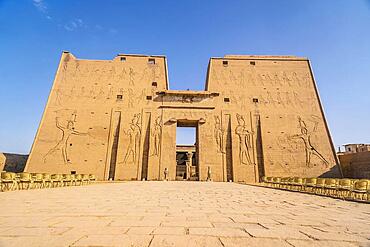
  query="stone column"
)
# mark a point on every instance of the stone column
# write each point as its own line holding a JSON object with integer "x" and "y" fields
{"x": 189, "y": 163}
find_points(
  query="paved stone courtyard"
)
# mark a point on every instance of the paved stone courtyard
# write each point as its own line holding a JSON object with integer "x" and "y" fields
{"x": 179, "y": 214}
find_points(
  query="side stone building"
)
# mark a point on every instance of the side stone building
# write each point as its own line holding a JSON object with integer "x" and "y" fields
{"x": 355, "y": 161}
{"x": 12, "y": 162}
{"x": 258, "y": 116}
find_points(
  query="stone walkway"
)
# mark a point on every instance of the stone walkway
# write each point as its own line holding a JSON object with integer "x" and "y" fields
{"x": 179, "y": 214}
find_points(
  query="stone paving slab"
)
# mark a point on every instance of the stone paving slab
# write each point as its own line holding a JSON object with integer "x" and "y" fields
{"x": 179, "y": 214}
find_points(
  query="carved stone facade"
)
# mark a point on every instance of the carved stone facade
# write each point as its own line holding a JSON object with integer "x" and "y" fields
{"x": 258, "y": 116}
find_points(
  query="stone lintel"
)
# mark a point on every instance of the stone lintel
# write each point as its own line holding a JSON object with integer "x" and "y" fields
{"x": 188, "y": 93}
{"x": 187, "y": 107}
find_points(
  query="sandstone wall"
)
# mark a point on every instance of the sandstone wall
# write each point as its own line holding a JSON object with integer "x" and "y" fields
{"x": 2, "y": 161}
{"x": 356, "y": 165}
{"x": 278, "y": 102}
{"x": 89, "y": 100}
{"x": 117, "y": 119}
{"x": 12, "y": 162}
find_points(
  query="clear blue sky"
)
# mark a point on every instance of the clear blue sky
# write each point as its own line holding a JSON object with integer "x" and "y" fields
{"x": 334, "y": 34}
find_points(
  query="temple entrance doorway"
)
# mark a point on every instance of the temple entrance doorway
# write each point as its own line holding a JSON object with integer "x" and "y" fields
{"x": 187, "y": 167}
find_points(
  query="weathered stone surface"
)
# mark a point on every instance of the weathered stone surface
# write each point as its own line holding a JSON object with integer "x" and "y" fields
{"x": 151, "y": 214}
{"x": 310, "y": 243}
{"x": 355, "y": 165}
{"x": 117, "y": 119}
{"x": 185, "y": 241}
{"x": 12, "y": 162}
{"x": 114, "y": 240}
{"x": 253, "y": 242}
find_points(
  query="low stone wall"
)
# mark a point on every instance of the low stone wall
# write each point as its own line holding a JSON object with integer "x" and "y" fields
{"x": 355, "y": 165}
{"x": 12, "y": 162}
{"x": 2, "y": 161}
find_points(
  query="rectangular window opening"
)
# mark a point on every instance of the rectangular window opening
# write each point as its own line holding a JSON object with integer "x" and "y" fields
{"x": 119, "y": 97}
{"x": 149, "y": 97}
{"x": 252, "y": 63}
{"x": 226, "y": 99}
{"x": 123, "y": 59}
{"x": 151, "y": 61}
{"x": 255, "y": 100}
{"x": 225, "y": 63}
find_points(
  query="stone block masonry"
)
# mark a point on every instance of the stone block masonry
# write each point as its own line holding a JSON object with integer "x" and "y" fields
{"x": 258, "y": 116}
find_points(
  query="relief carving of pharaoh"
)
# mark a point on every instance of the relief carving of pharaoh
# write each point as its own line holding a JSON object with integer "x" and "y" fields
{"x": 219, "y": 135}
{"x": 134, "y": 135}
{"x": 67, "y": 130}
{"x": 156, "y": 135}
{"x": 245, "y": 141}
{"x": 304, "y": 140}
{"x": 305, "y": 136}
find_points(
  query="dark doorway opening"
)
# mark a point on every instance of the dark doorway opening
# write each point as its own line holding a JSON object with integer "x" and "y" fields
{"x": 187, "y": 167}
{"x": 113, "y": 159}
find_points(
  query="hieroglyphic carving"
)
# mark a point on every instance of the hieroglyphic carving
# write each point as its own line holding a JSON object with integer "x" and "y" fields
{"x": 279, "y": 99}
{"x": 287, "y": 99}
{"x": 101, "y": 87}
{"x": 58, "y": 96}
{"x": 219, "y": 135}
{"x": 286, "y": 79}
{"x": 215, "y": 76}
{"x": 130, "y": 97}
{"x": 151, "y": 73}
{"x": 72, "y": 92}
{"x": 132, "y": 75}
{"x": 82, "y": 92}
{"x": 134, "y": 135}
{"x": 110, "y": 92}
{"x": 242, "y": 78}
{"x": 297, "y": 100}
{"x": 277, "y": 78}
{"x": 305, "y": 136}
{"x": 313, "y": 102}
{"x": 237, "y": 77}
{"x": 288, "y": 144}
{"x": 306, "y": 78}
{"x": 253, "y": 77}
{"x": 156, "y": 136}
{"x": 241, "y": 99}
{"x": 269, "y": 79}
{"x": 262, "y": 79}
{"x": 295, "y": 78}
{"x": 245, "y": 141}
{"x": 270, "y": 99}
{"x": 62, "y": 144}
{"x": 232, "y": 78}
{"x": 100, "y": 94}
{"x": 133, "y": 98}
{"x": 276, "y": 99}
{"x": 121, "y": 75}
{"x": 77, "y": 70}
{"x": 187, "y": 99}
